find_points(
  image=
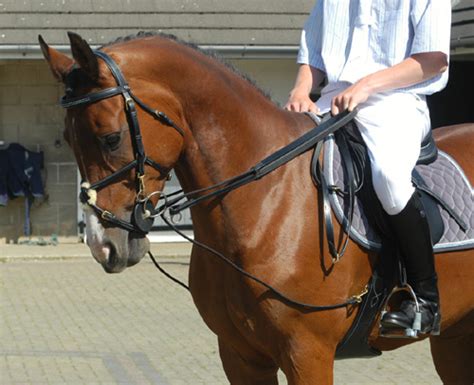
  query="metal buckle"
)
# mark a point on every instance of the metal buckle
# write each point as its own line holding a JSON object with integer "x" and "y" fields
{"x": 128, "y": 102}
{"x": 106, "y": 215}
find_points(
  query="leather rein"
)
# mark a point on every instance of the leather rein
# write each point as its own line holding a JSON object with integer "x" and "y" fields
{"x": 144, "y": 212}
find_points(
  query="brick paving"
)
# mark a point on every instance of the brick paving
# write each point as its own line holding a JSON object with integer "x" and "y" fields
{"x": 67, "y": 322}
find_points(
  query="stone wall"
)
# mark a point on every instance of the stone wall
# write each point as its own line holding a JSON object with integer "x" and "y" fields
{"x": 29, "y": 115}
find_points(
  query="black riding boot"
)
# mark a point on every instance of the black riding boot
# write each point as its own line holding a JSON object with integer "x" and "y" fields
{"x": 412, "y": 234}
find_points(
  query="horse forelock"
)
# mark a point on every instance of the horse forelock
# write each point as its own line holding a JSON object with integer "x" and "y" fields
{"x": 74, "y": 79}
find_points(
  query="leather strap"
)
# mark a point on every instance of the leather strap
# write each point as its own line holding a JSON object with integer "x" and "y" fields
{"x": 68, "y": 102}
{"x": 112, "y": 177}
{"x": 348, "y": 165}
{"x": 352, "y": 186}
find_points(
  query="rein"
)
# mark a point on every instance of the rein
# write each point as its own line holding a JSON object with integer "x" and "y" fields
{"x": 264, "y": 167}
{"x": 354, "y": 300}
{"x": 144, "y": 212}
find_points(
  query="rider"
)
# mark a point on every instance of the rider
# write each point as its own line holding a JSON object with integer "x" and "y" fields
{"x": 384, "y": 56}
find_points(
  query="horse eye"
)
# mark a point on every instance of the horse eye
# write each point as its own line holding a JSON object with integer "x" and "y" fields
{"x": 111, "y": 141}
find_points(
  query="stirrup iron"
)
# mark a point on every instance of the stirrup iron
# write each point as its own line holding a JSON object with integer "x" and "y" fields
{"x": 415, "y": 329}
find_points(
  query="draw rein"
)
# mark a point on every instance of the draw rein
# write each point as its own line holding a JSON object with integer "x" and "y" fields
{"x": 144, "y": 212}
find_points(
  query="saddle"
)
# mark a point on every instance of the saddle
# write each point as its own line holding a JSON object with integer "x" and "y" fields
{"x": 346, "y": 161}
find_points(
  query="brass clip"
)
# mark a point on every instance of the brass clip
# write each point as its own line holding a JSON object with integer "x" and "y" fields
{"x": 141, "y": 186}
{"x": 358, "y": 297}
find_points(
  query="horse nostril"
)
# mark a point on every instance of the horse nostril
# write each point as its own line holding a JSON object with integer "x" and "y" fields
{"x": 105, "y": 251}
{"x": 112, "y": 254}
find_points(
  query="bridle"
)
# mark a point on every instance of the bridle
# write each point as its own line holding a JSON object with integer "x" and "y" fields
{"x": 143, "y": 213}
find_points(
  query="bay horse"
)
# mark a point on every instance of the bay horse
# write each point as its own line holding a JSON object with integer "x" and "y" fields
{"x": 269, "y": 227}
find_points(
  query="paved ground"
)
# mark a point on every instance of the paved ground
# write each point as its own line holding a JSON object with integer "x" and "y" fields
{"x": 67, "y": 322}
{"x": 66, "y": 251}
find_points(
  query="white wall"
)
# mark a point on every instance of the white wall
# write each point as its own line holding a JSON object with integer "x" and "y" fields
{"x": 275, "y": 76}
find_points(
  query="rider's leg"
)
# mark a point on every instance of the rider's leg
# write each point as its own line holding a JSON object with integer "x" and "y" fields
{"x": 393, "y": 127}
{"x": 413, "y": 235}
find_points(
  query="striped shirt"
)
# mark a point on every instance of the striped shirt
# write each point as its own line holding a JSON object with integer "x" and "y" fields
{"x": 349, "y": 39}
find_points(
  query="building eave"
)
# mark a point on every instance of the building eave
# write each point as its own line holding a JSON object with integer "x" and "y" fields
{"x": 32, "y": 52}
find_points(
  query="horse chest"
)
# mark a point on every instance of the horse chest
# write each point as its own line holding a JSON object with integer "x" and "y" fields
{"x": 226, "y": 305}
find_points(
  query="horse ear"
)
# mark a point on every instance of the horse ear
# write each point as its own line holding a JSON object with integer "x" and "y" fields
{"x": 59, "y": 63}
{"x": 84, "y": 56}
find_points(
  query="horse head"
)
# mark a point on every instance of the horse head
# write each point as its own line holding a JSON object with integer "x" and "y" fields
{"x": 124, "y": 151}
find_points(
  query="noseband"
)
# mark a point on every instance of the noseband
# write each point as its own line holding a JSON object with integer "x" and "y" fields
{"x": 143, "y": 211}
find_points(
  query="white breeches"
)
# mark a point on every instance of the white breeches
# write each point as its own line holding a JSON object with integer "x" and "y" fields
{"x": 392, "y": 124}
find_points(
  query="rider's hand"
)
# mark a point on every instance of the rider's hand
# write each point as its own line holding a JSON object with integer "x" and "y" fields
{"x": 301, "y": 103}
{"x": 350, "y": 98}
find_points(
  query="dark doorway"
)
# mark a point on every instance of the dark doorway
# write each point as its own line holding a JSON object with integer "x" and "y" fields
{"x": 455, "y": 104}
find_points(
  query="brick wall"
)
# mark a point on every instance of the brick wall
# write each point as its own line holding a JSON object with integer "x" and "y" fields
{"x": 30, "y": 116}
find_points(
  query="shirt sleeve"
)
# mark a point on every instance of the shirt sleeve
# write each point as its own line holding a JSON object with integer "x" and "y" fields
{"x": 311, "y": 39}
{"x": 431, "y": 21}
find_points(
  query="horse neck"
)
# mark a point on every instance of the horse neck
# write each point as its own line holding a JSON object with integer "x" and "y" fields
{"x": 233, "y": 125}
{"x": 230, "y": 125}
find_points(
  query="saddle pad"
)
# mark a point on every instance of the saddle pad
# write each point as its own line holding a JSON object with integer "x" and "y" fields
{"x": 444, "y": 177}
